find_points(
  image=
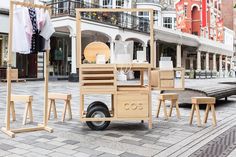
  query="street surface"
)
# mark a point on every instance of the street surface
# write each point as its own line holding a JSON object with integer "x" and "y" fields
{"x": 126, "y": 139}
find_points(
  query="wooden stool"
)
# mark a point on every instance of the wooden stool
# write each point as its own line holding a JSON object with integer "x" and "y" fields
{"x": 196, "y": 101}
{"x": 173, "y": 97}
{"x": 66, "y": 97}
{"x": 28, "y": 108}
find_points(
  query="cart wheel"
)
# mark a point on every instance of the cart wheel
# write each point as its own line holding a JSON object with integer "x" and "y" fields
{"x": 96, "y": 103}
{"x": 98, "y": 112}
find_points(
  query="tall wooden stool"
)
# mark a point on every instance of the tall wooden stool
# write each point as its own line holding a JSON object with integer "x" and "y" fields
{"x": 196, "y": 101}
{"x": 28, "y": 113}
{"x": 173, "y": 97}
{"x": 67, "y": 105}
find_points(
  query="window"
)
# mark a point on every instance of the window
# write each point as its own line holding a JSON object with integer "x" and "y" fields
{"x": 155, "y": 14}
{"x": 185, "y": 10}
{"x": 175, "y": 23}
{"x": 119, "y": 3}
{"x": 167, "y": 22}
{"x": 144, "y": 20}
{"x": 107, "y": 3}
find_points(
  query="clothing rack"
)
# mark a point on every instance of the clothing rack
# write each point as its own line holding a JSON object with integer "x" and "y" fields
{"x": 7, "y": 129}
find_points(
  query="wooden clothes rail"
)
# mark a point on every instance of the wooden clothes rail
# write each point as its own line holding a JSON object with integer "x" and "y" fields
{"x": 7, "y": 129}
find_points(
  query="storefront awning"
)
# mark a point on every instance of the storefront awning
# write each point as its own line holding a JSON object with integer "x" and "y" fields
{"x": 203, "y": 44}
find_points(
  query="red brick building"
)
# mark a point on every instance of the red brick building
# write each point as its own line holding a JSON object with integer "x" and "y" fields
{"x": 193, "y": 14}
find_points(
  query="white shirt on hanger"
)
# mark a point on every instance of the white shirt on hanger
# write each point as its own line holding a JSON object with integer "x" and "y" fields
{"x": 22, "y": 31}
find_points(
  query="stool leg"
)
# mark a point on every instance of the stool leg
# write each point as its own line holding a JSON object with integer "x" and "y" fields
{"x": 12, "y": 108}
{"x": 64, "y": 112}
{"x": 206, "y": 113}
{"x": 54, "y": 109}
{"x": 69, "y": 109}
{"x": 213, "y": 114}
{"x": 49, "y": 109}
{"x": 177, "y": 109}
{"x": 171, "y": 107}
{"x": 25, "y": 113}
{"x": 192, "y": 114}
{"x": 165, "y": 111}
{"x": 30, "y": 111}
{"x": 159, "y": 108}
{"x": 198, "y": 115}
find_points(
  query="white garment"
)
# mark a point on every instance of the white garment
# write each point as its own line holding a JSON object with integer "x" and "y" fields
{"x": 22, "y": 31}
{"x": 47, "y": 30}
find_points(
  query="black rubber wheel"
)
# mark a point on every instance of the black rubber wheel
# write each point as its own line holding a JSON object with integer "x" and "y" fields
{"x": 96, "y": 103}
{"x": 98, "y": 112}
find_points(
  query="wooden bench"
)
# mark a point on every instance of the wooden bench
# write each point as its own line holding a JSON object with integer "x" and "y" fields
{"x": 67, "y": 105}
{"x": 28, "y": 113}
{"x": 210, "y": 102}
{"x": 173, "y": 97}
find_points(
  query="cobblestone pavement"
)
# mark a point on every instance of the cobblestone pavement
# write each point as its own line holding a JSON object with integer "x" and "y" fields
{"x": 126, "y": 139}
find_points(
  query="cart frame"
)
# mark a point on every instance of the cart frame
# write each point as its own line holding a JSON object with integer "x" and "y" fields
{"x": 107, "y": 84}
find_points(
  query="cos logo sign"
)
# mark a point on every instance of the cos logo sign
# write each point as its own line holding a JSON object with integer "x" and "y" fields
{"x": 133, "y": 106}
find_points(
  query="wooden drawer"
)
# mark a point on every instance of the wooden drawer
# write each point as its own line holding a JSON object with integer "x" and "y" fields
{"x": 166, "y": 74}
{"x": 132, "y": 105}
{"x": 167, "y": 83}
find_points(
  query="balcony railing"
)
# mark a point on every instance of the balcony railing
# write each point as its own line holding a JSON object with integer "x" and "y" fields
{"x": 122, "y": 20}
{"x": 148, "y": 1}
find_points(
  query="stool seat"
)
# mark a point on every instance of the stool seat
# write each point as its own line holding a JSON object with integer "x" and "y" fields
{"x": 52, "y": 97}
{"x": 28, "y": 113}
{"x": 59, "y": 96}
{"x": 203, "y": 100}
{"x": 169, "y": 96}
{"x": 210, "y": 102}
{"x": 173, "y": 97}
{"x": 22, "y": 98}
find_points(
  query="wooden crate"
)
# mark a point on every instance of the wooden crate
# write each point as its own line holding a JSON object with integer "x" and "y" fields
{"x": 133, "y": 105}
{"x": 14, "y": 74}
{"x": 98, "y": 78}
{"x": 166, "y": 75}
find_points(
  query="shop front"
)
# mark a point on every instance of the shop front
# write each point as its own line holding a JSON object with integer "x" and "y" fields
{"x": 60, "y": 56}
{"x": 3, "y": 55}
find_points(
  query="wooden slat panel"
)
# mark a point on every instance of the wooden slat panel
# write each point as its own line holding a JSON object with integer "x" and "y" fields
{"x": 97, "y": 81}
{"x": 98, "y": 75}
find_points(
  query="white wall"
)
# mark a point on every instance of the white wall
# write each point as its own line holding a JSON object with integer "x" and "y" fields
{"x": 6, "y": 3}
{"x": 229, "y": 38}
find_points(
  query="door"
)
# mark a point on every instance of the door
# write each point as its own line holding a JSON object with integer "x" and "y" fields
{"x": 32, "y": 65}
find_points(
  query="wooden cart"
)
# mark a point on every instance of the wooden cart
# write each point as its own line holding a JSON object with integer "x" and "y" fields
{"x": 128, "y": 102}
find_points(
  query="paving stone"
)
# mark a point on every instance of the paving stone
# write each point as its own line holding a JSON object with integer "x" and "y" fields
{"x": 108, "y": 155}
{"x": 14, "y": 155}
{"x": 72, "y": 142}
{"x": 89, "y": 151}
{"x": 109, "y": 150}
{"x": 65, "y": 151}
{"x": 45, "y": 145}
{"x": 113, "y": 135}
{"x": 126, "y": 154}
{"x": 4, "y": 153}
{"x": 31, "y": 154}
{"x": 47, "y": 137}
{"x": 18, "y": 151}
{"x": 40, "y": 151}
{"x": 80, "y": 154}
{"x": 6, "y": 147}
{"x": 131, "y": 142}
{"x": 56, "y": 154}
{"x": 69, "y": 146}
